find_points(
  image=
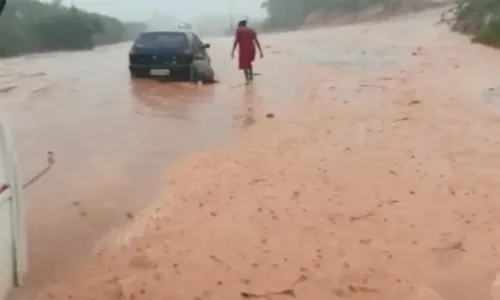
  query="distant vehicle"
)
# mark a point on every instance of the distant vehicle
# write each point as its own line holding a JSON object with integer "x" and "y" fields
{"x": 173, "y": 54}
{"x": 185, "y": 26}
{"x": 189, "y": 27}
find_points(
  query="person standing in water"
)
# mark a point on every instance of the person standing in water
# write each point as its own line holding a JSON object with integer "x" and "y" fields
{"x": 245, "y": 39}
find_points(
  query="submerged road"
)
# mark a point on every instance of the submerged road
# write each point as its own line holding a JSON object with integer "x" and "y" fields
{"x": 114, "y": 139}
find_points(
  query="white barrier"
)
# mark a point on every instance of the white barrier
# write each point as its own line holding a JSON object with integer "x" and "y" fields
{"x": 13, "y": 261}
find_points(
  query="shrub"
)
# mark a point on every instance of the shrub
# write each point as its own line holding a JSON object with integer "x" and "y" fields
{"x": 31, "y": 26}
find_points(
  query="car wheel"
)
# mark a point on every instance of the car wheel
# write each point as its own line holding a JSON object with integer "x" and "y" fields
{"x": 203, "y": 71}
{"x": 133, "y": 74}
{"x": 193, "y": 73}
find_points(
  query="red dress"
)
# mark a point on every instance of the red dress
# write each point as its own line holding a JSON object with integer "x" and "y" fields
{"x": 245, "y": 38}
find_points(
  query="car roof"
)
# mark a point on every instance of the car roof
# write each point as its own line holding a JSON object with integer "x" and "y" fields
{"x": 167, "y": 31}
{"x": 190, "y": 35}
{"x": 188, "y": 32}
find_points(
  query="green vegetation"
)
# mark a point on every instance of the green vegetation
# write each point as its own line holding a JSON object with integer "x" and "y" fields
{"x": 30, "y": 26}
{"x": 480, "y": 19}
{"x": 292, "y": 13}
{"x": 2, "y": 5}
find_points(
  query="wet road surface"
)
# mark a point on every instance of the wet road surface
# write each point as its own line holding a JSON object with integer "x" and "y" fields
{"x": 312, "y": 192}
{"x": 113, "y": 138}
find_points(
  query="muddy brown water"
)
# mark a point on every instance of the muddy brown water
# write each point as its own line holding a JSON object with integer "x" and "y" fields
{"x": 113, "y": 138}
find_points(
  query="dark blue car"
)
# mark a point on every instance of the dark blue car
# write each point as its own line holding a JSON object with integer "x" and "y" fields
{"x": 174, "y": 54}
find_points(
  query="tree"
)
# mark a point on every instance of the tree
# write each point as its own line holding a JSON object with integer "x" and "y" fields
{"x": 479, "y": 18}
{"x": 57, "y": 3}
{"x": 31, "y": 26}
{"x": 2, "y": 5}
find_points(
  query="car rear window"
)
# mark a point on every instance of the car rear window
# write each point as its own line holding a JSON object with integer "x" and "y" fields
{"x": 170, "y": 40}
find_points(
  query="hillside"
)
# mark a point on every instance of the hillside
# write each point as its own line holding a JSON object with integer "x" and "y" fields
{"x": 32, "y": 26}
{"x": 296, "y": 13}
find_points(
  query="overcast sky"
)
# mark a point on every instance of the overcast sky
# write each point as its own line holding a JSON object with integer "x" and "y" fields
{"x": 184, "y": 9}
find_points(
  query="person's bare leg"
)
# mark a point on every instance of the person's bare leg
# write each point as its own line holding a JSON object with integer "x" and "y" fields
{"x": 247, "y": 76}
{"x": 250, "y": 73}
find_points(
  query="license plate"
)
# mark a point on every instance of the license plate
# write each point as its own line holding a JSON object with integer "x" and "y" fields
{"x": 159, "y": 72}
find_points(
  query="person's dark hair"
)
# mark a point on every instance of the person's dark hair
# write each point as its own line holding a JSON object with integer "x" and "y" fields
{"x": 242, "y": 23}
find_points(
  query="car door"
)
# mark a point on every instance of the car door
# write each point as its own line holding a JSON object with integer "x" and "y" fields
{"x": 200, "y": 49}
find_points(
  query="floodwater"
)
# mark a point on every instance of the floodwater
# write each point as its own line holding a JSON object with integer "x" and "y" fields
{"x": 375, "y": 178}
{"x": 113, "y": 137}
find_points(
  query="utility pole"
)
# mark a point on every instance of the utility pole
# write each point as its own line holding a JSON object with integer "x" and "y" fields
{"x": 231, "y": 16}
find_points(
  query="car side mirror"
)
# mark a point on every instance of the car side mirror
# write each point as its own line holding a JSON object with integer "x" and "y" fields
{"x": 206, "y": 46}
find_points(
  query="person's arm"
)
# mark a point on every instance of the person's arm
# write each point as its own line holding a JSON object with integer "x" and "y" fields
{"x": 257, "y": 43}
{"x": 235, "y": 43}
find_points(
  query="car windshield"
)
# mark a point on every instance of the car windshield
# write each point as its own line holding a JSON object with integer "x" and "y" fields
{"x": 157, "y": 40}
